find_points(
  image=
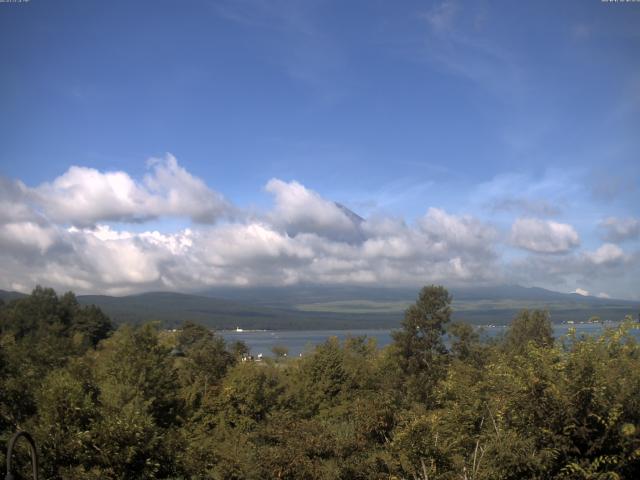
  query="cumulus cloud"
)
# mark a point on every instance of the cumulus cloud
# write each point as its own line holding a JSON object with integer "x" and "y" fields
{"x": 28, "y": 237}
{"x": 69, "y": 233}
{"x": 620, "y": 229}
{"x": 459, "y": 232}
{"x": 15, "y": 203}
{"x": 85, "y": 196}
{"x": 303, "y": 238}
{"x": 581, "y": 291}
{"x": 300, "y": 210}
{"x": 607, "y": 254}
{"x": 255, "y": 252}
{"x": 544, "y": 236}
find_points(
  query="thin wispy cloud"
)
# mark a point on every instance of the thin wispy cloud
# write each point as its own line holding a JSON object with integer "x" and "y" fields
{"x": 547, "y": 194}
{"x": 620, "y": 229}
{"x": 458, "y": 43}
{"x": 299, "y": 46}
{"x": 536, "y": 207}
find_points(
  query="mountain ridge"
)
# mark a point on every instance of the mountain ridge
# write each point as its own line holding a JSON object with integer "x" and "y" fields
{"x": 310, "y": 307}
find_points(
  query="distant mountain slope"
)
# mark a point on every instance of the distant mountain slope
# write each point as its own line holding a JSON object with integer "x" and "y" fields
{"x": 516, "y": 292}
{"x": 7, "y": 296}
{"x": 172, "y": 309}
{"x": 290, "y": 296}
{"x": 351, "y": 215}
{"x": 313, "y": 307}
{"x": 484, "y": 305}
{"x": 304, "y": 294}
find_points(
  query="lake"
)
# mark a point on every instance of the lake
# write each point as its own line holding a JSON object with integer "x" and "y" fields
{"x": 297, "y": 341}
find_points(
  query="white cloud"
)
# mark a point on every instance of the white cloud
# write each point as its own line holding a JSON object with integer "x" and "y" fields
{"x": 60, "y": 234}
{"x": 582, "y": 292}
{"x": 124, "y": 260}
{"x": 85, "y": 196}
{"x": 27, "y": 236}
{"x": 458, "y": 232}
{"x": 174, "y": 191}
{"x": 441, "y": 248}
{"x": 544, "y": 236}
{"x": 606, "y": 254}
{"x": 300, "y": 210}
{"x": 14, "y": 203}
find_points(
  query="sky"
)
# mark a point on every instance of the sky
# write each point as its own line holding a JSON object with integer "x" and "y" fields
{"x": 164, "y": 145}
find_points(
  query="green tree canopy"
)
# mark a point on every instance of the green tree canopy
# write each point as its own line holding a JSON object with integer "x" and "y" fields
{"x": 529, "y": 326}
{"x": 419, "y": 346}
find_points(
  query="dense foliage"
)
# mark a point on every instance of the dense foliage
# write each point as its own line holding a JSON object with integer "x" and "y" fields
{"x": 146, "y": 403}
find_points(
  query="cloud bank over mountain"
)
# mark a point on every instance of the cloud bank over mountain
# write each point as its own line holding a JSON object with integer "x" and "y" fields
{"x": 96, "y": 231}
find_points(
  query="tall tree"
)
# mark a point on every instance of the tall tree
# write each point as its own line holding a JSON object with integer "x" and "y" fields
{"x": 529, "y": 326}
{"x": 205, "y": 361}
{"x": 419, "y": 346}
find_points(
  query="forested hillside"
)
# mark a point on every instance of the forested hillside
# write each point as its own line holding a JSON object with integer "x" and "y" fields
{"x": 322, "y": 307}
{"x": 142, "y": 402}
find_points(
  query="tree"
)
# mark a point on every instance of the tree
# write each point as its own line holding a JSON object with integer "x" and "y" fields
{"x": 321, "y": 377}
{"x": 239, "y": 349}
{"x": 92, "y": 324}
{"x": 526, "y": 407}
{"x": 280, "y": 351}
{"x": 139, "y": 405}
{"x": 42, "y": 332}
{"x": 464, "y": 340}
{"x": 67, "y": 411}
{"x": 419, "y": 346}
{"x": 529, "y": 326}
{"x": 205, "y": 363}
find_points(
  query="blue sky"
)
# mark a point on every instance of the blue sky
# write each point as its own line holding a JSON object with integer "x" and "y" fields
{"x": 491, "y": 112}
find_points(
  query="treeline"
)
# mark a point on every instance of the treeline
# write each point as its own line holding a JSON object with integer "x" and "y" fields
{"x": 139, "y": 403}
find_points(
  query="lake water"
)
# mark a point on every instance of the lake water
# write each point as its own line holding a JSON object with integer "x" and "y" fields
{"x": 262, "y": 341}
